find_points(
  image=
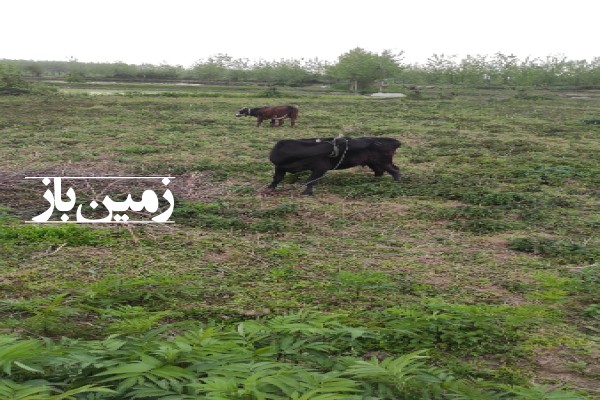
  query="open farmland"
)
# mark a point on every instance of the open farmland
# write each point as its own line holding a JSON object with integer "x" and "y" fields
{"x": 485, "y": 256}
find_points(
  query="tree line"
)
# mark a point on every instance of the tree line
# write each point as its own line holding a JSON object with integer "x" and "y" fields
{"x": 360, "y": 69}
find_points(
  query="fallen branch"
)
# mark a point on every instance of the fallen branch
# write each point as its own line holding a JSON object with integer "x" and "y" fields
{"x": 49, "y": 253}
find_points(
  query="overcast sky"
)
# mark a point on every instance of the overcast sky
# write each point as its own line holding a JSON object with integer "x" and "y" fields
{"x": 181, "y": 32}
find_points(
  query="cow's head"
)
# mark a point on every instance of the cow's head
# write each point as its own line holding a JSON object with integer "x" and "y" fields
{"x": 244, "y": 112}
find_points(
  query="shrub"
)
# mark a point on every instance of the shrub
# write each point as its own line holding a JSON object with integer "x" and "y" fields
{"x": 296, "y": 356}
{"x": 589, "y": 283}
{"x": 565, "y": 250}
{"x": 11, "y": 82}
{"x": 472, "y": 329}
{"x": 270, "y": 92}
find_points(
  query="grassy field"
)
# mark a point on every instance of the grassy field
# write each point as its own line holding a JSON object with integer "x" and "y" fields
{"x": 485, "y": 256}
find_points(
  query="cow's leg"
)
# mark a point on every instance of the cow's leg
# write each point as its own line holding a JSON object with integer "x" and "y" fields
{"x": 258, "y": 122}
{"x": 281, "y": 122}
{"x": 272, "y": 123}
{"x": 292, "y": 122}
{"x": 393, "y": 170}
{"x": 277, "y": 177}
{"x": 315, "y": 175}
{"x": 377, "y": 169}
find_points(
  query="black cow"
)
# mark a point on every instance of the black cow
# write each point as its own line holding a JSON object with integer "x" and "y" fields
{"x": 276, "y": 113}
{"x": 322, "y": 155}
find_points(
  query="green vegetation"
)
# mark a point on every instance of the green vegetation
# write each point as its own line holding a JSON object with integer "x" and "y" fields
{"x": 361, "y": 67}
{"x": 354, "y": 70}
{"x": 476, "y": 277}
{"x": 12, "y": 82}
{"x": 297, "y": 356}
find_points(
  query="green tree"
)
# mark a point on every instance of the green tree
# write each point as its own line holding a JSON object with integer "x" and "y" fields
{"x": 208, "y": 71}
{"x": 389, "y": 66}
{"x": 442, "y": 68}
{"x": 216, "y": 68}
{"x": 76, "y": 71}
{"x": 34, "y": 69}
{"x": 315, "y": 66}
{"x": 263, "y": 72}
{"x": 506, "y": 68}
{"x": 474, "y": 70}
{"x": 362, "y": 67}
{"x": 160, "y": 72}
{"x": 121, "y": 70}
{"x": 290, "y": 72}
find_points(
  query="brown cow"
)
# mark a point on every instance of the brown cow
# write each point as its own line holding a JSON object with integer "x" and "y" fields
{"x": 276, "y": 113}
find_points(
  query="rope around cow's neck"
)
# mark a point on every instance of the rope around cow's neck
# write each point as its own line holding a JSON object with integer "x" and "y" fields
{"x": 337, "y": 165}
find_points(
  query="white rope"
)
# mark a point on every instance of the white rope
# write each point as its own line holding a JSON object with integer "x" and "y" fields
{"x": 334, "y": 168}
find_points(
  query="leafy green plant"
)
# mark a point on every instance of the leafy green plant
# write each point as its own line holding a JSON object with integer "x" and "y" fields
{"x": 360, "y": 282}
{"x": 552, "y": 174}
{"x": 47, "y": 316}
{"x": 209, "y": 215}
{"x": 589, "y": 282}
{"x": 561, "y": 249}
{"x": 401, "y": 377}
{"x": 19, "y": 354}
{"x": 43, "y": 390}
{"x": 126, "y": 319}
{"x": 268, "y": 225}
{"x": 297, "y": 356}
{"x": 553, "y": 289}
{"x": 592, "y": 311}
{"x": 542, "y": 392}
{"x": 110, "y": 291}
{"x": 476, "y": 329}
{"x": 71, "y": 235}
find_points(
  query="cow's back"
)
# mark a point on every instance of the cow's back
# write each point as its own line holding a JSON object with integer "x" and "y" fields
{"x": 377, "y": 143}
{"x": 278, "y": 111}
{"x": 288, "y": 150}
